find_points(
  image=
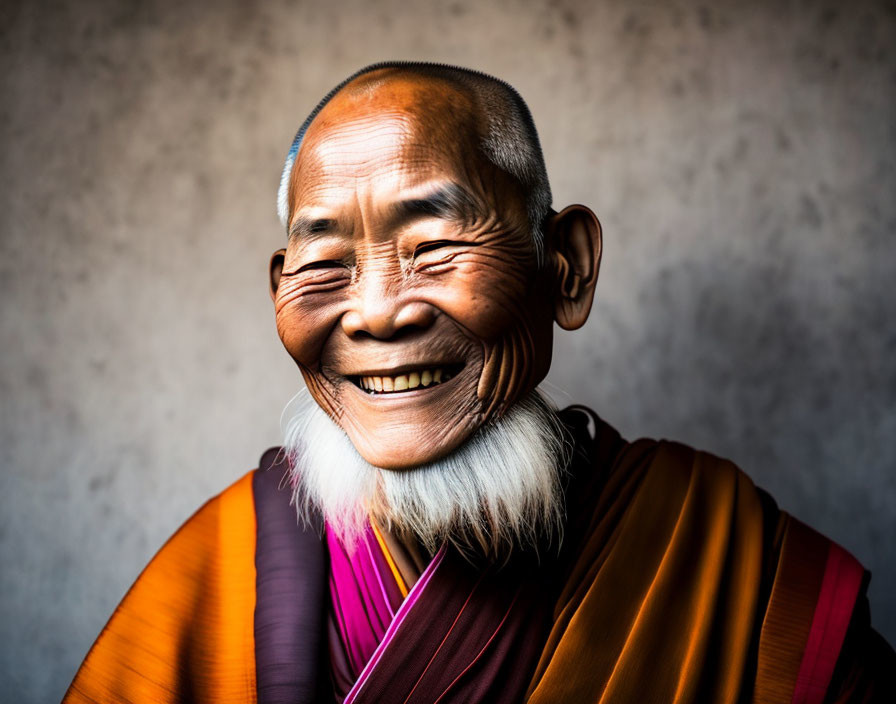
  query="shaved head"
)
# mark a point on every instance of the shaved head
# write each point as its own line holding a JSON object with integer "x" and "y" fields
{"x": 463, "y": 105}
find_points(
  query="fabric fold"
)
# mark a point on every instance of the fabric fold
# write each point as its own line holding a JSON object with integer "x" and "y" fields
{"x": 677, "y": 580}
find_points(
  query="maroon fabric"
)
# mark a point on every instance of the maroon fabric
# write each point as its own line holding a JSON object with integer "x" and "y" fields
{"x": 290, "y": 564}
{"x": 474, "y": 635}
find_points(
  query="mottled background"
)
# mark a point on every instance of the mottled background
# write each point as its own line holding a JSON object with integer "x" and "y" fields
{"x": 740, "y": 155}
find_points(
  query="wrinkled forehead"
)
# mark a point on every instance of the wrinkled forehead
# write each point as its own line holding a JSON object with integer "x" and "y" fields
{"x": 394, "y": 132}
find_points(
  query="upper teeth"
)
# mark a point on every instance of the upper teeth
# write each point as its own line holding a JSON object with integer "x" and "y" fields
{"x": 403, "y": 382}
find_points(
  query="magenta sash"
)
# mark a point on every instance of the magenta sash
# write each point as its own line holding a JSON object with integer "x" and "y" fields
{"x": 364, "y": 598}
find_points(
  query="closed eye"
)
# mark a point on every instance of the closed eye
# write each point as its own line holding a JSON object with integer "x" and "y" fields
{"x": 323, "y": 264}
{"x": 425, "y": 247}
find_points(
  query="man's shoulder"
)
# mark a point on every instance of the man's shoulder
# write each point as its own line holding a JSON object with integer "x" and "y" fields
{"x": 221, "y": 527}
{"x": 241, "y": 496}
{"x": 196, "y": 596}
{"x": 672, "y": 467}
{"x": 238, "y": 493}
{"x": 225, "y": 524}
{"x": 610, "y": 450}
{"x": 665, "y": 455}
{"x": 667, "y": 515}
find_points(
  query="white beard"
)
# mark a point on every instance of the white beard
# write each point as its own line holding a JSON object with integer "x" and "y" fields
{"x": 498, "y": 491}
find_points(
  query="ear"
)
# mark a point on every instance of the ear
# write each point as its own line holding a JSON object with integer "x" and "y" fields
{"x": 276, "y": 269}
{"x": 575, "y": 243}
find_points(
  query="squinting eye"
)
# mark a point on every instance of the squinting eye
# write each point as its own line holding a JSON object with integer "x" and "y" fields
{"x": 324, "y": 264}
{"x": 435, "y": 244}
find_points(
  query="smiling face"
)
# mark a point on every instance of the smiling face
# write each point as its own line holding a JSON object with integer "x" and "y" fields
{"x": 409, "y": 293}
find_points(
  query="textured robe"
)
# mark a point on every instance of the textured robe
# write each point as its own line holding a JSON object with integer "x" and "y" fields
{"x": 677, "y": 580}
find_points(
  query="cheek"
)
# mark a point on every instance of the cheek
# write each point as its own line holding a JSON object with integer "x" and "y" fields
{"x": 304, "y": 324}
{"x": 514, "y": 364}
{"x": 486, "y": 301}
{"x": 510, "y": 313}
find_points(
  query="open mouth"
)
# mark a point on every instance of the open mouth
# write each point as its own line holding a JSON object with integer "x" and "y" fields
{"x": 410, "y": 380}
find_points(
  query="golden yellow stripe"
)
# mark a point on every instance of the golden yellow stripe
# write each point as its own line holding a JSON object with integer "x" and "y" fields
{"x": 402, "y": 587}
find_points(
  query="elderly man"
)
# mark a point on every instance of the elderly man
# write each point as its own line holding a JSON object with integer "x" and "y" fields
{"x": 460, "y": 540}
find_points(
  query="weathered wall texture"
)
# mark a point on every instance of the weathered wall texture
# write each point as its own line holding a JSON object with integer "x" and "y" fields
{"x": 740, "y": 155}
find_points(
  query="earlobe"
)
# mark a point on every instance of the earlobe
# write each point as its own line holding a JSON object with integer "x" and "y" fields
{"x": 576, "y": 243}
{"x": 276, "y": 269}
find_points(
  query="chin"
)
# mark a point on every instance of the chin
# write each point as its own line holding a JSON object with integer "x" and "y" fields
{"x": 408, "y": 429}
{"x": 407, "y": 446}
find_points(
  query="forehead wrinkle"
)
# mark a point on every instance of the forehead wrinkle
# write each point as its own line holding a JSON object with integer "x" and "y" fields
{"x": 388, "y": 153}
{"x": 325, "y": 198}
{"x": 356, "y": 148}
{"x": 355, "y": 140}
{"x": 414, "y": 173}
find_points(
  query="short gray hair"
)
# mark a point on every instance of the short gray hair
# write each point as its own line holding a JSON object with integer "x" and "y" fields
{"x": 510, "y": 143}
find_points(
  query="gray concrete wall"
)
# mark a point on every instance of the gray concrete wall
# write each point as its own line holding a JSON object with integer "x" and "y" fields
{"x": 740, "y": 155}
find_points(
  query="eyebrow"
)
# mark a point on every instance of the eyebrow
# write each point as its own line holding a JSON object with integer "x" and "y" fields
{"x": 311, "y": 227}
{"x": 449, "y": 201}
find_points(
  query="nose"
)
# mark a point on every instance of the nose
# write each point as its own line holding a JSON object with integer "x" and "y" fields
{"x": 380, "y": 314}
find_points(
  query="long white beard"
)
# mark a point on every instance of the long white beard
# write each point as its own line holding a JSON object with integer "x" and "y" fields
{"x": 498, "y": 491}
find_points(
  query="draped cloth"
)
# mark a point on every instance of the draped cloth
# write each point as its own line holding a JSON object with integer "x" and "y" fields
{"x": 365, "y": 594}
{"x": 677, "y": 580}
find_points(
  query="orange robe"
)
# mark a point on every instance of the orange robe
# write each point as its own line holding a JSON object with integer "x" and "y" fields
{"x": 678, "y": 581}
